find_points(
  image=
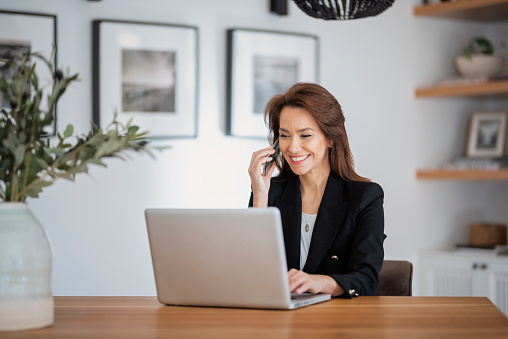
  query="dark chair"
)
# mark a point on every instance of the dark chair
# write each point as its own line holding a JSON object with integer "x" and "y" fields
{"x": 395, "y": 279}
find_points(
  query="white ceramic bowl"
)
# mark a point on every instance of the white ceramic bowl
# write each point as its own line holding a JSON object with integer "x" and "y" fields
{"x": 479, "y": 65}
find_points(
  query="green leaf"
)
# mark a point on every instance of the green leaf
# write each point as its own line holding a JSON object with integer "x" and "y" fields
{"x": 17, "y": 149}
{"x": 56, "y": 151}
{"x": 35, "y": 79}
{"x": 4, "y": 87}
{"x": 97, "y": 162}
{"x": 485, "y": 45}
{"x": 68, "y": 131}
{"x": 132, "y": 131}
{"x": 41, "y": 162}
{"x": 36, "y": 188}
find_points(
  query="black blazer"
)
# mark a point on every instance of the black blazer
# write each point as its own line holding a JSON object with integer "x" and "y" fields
{"x": 348, "y": 236}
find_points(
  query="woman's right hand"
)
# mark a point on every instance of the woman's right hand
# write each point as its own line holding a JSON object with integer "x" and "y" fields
{"x": 261, "y": 183}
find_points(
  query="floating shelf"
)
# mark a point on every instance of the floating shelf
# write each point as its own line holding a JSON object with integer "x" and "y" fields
{"x": 438, "y": 174}
{"x": 499, "y": 87}
{"x": 472, "y": 10}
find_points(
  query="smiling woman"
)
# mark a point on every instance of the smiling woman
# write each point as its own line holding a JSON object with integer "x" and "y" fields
{"x": 303, "y": 144}
{"x": 332, "y": 218}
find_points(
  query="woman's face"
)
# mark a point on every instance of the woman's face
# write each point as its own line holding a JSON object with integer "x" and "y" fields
{"x": 302, "y": 143}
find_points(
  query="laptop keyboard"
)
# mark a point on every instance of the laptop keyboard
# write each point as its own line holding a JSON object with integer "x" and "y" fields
{"x": 303, "y": 296}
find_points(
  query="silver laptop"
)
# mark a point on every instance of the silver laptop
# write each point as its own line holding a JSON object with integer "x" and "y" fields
{"x": 225, "y": 258}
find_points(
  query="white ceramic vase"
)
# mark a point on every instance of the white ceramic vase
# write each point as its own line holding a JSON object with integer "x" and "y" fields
{"x": 26, "y": 301}
{"x": 479, "y": 65}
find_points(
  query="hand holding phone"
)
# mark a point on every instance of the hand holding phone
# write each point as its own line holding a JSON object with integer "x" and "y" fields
{"x": 274, "y": 157}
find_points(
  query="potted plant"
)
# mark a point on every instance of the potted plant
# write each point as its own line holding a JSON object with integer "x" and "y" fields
{"x": 30, "y": 161}
{"x": 478, "y": 59}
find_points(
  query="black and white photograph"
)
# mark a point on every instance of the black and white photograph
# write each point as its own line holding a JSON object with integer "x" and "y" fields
{"x": 261, "y": 64}
{"x": 146, "y": 72}
{"x": 272, "y": 75}
{"x": 10, "y": 50}
{"x": 23, "y": 32}
{"x": 487, "y": 134}
{"x": 148, "y": 81}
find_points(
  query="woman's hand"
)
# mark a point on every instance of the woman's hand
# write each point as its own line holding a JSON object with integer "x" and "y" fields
{"x": 261, "y": 183}
{"x": 301, "y": 282}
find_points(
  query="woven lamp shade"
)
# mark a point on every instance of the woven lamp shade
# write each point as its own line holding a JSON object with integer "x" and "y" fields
{"x": 343, "y": 9}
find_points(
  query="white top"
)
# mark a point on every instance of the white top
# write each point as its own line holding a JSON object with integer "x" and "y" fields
{"x": 310, "y": 220}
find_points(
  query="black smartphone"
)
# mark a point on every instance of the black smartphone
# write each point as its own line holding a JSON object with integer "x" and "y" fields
{"x": 274, "y": 157}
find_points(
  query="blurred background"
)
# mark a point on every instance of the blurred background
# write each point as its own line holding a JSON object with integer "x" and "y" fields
{"x": 372, "y": 66}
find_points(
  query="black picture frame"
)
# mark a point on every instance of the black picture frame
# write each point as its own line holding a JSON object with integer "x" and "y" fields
{"x": 147, "y": 72}
{"x": 38, "y": 33}
{"x": 260, "y": 64}
{"x": 487, "y": 134}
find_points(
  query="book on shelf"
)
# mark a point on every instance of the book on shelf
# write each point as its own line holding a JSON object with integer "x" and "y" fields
{"x": 476, "y": 164}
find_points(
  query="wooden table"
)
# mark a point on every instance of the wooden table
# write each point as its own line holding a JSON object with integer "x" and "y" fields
{"x": 363, "y": 317}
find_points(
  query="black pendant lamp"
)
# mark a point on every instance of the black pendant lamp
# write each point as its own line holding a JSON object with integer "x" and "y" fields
{"x": 343, "y": 9}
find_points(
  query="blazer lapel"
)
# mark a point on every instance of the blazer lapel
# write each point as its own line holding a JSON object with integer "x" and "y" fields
{"x": 329, "y": 220}
{"x": 290, "y": 207}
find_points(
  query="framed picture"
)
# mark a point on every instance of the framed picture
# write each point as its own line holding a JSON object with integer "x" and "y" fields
{"x": 261, "y": 64}
{"x": 147, "y": 72}
{"x": 487, "y": 134}
{"x": 22, "y": 32}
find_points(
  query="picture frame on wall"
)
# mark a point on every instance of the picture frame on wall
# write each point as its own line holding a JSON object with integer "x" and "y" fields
{"x": 261, "y": 64}
{"x": 147, "y": 72}
{"x": 487, "y": 134}
{"x": 22, "y": 32}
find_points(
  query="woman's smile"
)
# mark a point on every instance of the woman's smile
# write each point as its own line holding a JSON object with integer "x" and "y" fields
{"x": 296, "y": 160}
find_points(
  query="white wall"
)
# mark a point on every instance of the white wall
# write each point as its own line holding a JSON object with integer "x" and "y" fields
{"x": 371, "y": 65}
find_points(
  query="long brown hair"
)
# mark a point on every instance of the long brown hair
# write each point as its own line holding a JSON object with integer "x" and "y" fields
{"x": 327, "y": 111}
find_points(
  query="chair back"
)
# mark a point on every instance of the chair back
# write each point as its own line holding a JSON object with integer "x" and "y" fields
{"x": 395, "y": 279}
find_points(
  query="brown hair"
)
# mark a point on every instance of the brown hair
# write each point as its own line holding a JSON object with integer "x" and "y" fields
{"x": 327, "y": 111}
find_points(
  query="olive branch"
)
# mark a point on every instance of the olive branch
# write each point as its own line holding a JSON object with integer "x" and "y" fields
{"x": 29, "y": 159}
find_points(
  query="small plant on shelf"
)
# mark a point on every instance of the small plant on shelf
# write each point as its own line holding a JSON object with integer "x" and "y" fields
{"x": 478, "y": 59}
{"x": 478, "y": 45}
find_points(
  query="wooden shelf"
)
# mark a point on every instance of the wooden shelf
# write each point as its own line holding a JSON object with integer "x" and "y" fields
{"x": 472, "y": 10}
{"x": 439, "y": 174}
{"x": 499, "y": 87}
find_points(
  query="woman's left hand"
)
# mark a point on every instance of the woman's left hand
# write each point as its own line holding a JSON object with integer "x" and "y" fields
{"x": 300, "y": 282}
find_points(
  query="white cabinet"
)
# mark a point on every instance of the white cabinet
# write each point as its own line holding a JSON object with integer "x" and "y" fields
{"x": 462, "y": 273}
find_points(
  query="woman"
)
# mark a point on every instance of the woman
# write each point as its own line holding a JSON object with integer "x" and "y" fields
{"x": 332, "y": 218}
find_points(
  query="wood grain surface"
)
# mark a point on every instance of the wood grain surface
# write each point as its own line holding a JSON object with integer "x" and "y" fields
{"x": 363, "y": 317}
